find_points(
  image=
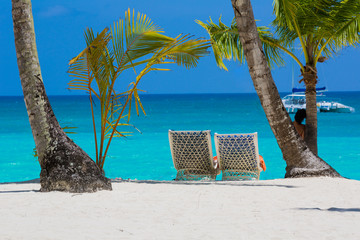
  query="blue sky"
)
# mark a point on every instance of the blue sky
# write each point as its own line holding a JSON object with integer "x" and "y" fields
{"x": 59, "y": 27}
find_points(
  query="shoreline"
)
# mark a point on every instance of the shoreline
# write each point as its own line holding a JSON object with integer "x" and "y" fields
{"x": 218, "y": 181}
{"x": 301, "y": 208}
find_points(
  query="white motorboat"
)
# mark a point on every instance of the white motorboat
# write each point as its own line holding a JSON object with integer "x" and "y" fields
{"x": 332, "y": 106}
{"x": 297, "y": 100}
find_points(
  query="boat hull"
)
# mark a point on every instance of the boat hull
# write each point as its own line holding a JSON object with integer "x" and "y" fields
{"x": 294, "y": 102}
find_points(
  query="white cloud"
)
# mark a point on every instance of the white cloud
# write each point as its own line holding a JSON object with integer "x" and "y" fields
{"x": 54, "y": 11}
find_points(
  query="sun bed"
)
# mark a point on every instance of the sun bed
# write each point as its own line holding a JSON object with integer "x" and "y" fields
{"x": 238, "y": 156}
{"x": 192, "y": 155}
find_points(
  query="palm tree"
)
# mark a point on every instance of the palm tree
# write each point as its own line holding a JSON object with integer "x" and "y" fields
{"x": 129, "y": 44}
{"x": 64, "y": 166}
{"x": 299, "y": 159}
{"x": 322, "y": 28}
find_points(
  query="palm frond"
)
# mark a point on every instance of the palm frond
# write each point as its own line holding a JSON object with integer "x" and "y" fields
{"x": 135, "y": 37}
{"x": 86, "y": 66}
{"x": 288, "y": 24}
{"x": 226, "y": 43}
{"x": 344, "y": 23}
{"x": 184, "y": 51}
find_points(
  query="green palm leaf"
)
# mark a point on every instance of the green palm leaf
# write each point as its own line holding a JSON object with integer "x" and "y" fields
{"x": 226, "y": 43}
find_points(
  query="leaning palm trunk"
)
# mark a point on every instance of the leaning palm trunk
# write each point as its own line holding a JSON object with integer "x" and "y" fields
{"x": 64, "y": 166}
{"x": 300, "y": 161}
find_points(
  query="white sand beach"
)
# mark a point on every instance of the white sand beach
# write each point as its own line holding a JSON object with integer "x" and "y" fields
{"x": 308, "y": 208}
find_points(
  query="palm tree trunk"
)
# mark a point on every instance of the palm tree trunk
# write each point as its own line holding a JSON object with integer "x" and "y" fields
{"x": 300, "y": 161}
{"x": 64, "y": 165}
{"x": 310, "y": 79}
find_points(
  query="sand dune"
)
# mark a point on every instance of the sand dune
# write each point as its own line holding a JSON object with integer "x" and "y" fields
{"x": 309, "y": 208}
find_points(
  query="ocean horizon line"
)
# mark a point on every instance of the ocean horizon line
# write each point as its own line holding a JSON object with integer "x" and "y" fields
{"x": 148, "y": 94}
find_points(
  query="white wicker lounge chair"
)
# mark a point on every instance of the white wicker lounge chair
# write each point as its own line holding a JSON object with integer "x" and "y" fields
{"x": 192, "y": 155}
{"x": 238, "y": 156}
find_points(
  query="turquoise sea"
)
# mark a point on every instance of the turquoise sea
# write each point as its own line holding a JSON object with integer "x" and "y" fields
{"x": 146, "y": 155}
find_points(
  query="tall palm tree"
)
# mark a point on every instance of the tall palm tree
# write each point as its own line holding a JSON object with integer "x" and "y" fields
{"x": 64, "y": 165}
{"x": 132, "y": 43}
{"x": 299, "y": 159}
{"x": 321, "y": 27}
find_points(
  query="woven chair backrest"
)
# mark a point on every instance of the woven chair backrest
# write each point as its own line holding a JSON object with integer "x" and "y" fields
{"x": 238, "y": 152}
{"x": 191, "y": 150}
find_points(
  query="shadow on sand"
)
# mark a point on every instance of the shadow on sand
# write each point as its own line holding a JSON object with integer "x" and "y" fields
{"x": 19, "y": 191}
{"x": 333, "y": 209}
{"x": 219, "y": 183}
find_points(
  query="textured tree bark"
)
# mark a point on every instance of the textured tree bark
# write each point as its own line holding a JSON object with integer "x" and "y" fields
{"x": 310, "y": 79}
{"x": 300, "y": 161}
{"x": 64, "y": 165}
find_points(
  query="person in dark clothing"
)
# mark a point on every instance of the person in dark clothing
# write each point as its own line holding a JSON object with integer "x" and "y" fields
{"x": 299, "y": 117}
